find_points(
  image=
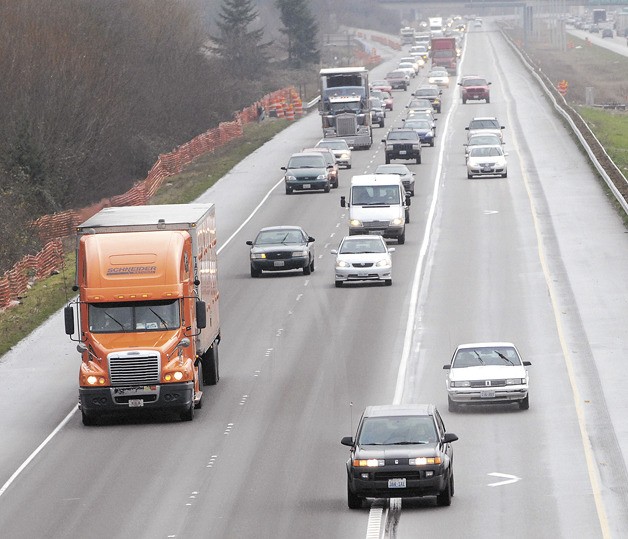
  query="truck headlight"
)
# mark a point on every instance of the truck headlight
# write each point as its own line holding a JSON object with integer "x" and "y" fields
{"x": 176, "y": 375}
{"x": 355, "y": 222}
{"x": 398, "y": 221}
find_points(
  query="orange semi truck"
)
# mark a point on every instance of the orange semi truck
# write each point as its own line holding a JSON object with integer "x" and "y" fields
{"x": 146, "y": 318}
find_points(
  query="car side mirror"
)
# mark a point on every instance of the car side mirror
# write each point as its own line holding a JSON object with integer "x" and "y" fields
{"x": 343, "y": 202}
{"x": 310, "y": 239}
{"x": 466, "y": 128}
{"x": 334, "y": 251}
{"x": 284, "y": 168}
{"x": 249, "y": 242}
{"x": 449, "y": 437}
{"x": 527, "y": 363}
{"x": 391, "y": 249}
{"x": 447, "y": 367}
{"x": 347, "y": 440}
{"x": 488, "y": 84}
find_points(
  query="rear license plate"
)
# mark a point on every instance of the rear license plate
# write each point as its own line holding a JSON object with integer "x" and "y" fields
{"x": 487, "y": 394}
{"x": 136, "y": 403}
{"x": 306, "y": 186}
{"x": 279, "y": 263}
{"x": 402, "y": 152}
{"x": 397, "y": 483}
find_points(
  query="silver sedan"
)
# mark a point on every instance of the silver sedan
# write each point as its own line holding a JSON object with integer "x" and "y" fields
{"x": 363, "y": 258}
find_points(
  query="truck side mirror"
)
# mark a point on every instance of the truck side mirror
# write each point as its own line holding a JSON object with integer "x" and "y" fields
{"x": 68, "y": 315}
{"x": 201, "y": 315}
{"x": 343, "y": 202}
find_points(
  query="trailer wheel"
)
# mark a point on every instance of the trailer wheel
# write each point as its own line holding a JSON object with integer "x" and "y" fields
{"x": 210, "y": 362}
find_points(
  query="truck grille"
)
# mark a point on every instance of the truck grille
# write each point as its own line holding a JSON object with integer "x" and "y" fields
{"x": 134, "y": 368}
{"x": 345, "y": 125}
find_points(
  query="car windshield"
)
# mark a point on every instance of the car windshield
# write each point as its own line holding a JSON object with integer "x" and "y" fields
{"x": 270, "y": 237}
{"x": 334, "y": 144}
{"x": 392, "y": 169}
{"x": 483, "y": 151}
{"x": 418, "y": 124}
{"x": 426, "y": 91}
{"x": 484, "y": 124}
{"x": 359, "y": 246}
{"x": 376, "y": 103}
{"x": 371, "y": 195}
{"x": 399, "y": 430}
{"x": 474, "y": 82}
{"x": 438, "y": 74}
{"x": 479, "y": 357}
{"x": 492, "y": 140}
{"x": 133, "y": 316}
{"x": 307, "y": 161}
{"x": 327, "y": 155}
{"x": 420, "y": 103}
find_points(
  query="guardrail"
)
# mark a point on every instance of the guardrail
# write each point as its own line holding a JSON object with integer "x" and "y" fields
{"x": 608, "y": 170}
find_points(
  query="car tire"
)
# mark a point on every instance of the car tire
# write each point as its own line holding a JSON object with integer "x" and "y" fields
{"x": 407, "y": 216}
{"x": 387, "y": 282}
{"x": 211, "y": 365}
{"x": 444, "y": 498}
{"x": 348, "y": 166}
{"x": 525, "y": 403}
{"x": 432, "y": 143}
{"x": 338, "y": 284}
{"x": 307, "y": 270}
{"x": 451, "y": 405}
{"x": 353, "y": 500}
{"x": 288, "y": 191}
{"x": 327, "y": 188}
{"x": 505, "y": 175}
{"x": 464, "y": 101}
{"x": 469, "y": 176}
{"x": 387, "y": 160}
{"x": 381, "y": 124}
{"x": 418, "y": 160}
{"x": 401, "y": 239}
{"x": 255, "y": 272}
{"x": 488, "y": 99}
{"x": 312, "y": 266}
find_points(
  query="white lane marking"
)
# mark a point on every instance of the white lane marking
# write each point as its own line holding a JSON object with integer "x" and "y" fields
{"x": 374, "y": 526}
{"x": 509, "y": 479}
{"x": 36, "y": 452}
{"x": 490, "y": 212}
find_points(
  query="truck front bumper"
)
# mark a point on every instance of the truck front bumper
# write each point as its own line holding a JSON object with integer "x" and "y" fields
{"x": 94, "y": 401}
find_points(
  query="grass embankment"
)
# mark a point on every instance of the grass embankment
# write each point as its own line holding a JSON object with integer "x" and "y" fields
{"x": 46, "y": 297}
{"x": 611, "y": 129}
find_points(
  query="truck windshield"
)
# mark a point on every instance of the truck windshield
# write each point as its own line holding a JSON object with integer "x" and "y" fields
{"x": 133, "y": 316}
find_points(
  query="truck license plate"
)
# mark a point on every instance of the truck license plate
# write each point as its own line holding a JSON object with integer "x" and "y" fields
{"x": 279, "y": 263}
{"x": 402, "y": 152}
{"x": 397, "y": 483}
{"x": 136, "y": 403}
{"x": 306, "y": 186}
{"x": 487, "y": 394}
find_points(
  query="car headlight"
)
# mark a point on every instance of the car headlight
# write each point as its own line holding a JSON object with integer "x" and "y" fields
{"x": 436, "y": 101}
{"x": 342, "y": 264}
{"x": 321, "y": 177}
{"x": 463, "y": 383}
{"x": 299, "y": 253}
{"x": 416, "y": 146}
{"x": 368, "y": 463}
{"x": 355, "y": 222}
{"x": 424, "y": 461}
{"x": 258, "y": 256}
{"x": 344, "y": 156}
{"x": 397, "y": 221}
{"x": 515, "y": 381}
{"x": 382, "y": 263}
{"x": 290, "y": 178}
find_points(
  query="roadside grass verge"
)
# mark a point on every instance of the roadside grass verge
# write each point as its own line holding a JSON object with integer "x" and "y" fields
{"x": 47, "y": 296}
{"x": 611, "y": 129}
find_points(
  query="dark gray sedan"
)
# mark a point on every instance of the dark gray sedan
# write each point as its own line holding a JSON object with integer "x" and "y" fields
{"x": 400, "y": 451}
{"x": 281, "y": 248}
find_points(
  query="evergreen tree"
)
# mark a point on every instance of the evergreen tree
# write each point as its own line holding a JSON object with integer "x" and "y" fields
{"x": 242, "y": 50}
{"x": 301, "y": 30}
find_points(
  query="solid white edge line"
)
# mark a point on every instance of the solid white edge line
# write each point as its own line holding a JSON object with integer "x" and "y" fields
{"x": 67, "y": 417}
{"x": 36, "y": 452}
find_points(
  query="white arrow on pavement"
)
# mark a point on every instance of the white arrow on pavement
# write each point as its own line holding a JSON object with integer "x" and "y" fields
{"x": 508, "y": 479}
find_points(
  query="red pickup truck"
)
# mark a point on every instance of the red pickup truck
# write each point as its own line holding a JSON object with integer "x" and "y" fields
{"x": 474, "y": 88}
{"x": 398, "y": 79}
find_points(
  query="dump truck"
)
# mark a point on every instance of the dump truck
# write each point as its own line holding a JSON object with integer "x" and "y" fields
{"x": 345, "y": 105}
{"x": 146, "y": 318}
{"x": 444, "y": 54}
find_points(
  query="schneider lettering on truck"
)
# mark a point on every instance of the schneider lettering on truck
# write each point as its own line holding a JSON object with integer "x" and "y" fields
{"x": 146, "y": 318}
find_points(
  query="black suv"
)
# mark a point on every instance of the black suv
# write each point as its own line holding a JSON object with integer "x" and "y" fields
{"x": 402, "y": 144}
{"x": 400, "y": 451}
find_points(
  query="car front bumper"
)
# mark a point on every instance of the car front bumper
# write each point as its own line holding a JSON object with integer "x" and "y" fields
{"x": 462, "y": 395}
{"x": 486, "y": 171}
{"x": 307, "y": 185}
{"x": 297, "y": 262}
{"x": 363, "y": 274}
{"x": 417, "y": 482}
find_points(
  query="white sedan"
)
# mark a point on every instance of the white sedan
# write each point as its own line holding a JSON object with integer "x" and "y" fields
{"x": 363, "y": 258}
{"x": 490, "y": 372}
{"x": 440, "y": 77}
{"x": 487, "y": 161}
